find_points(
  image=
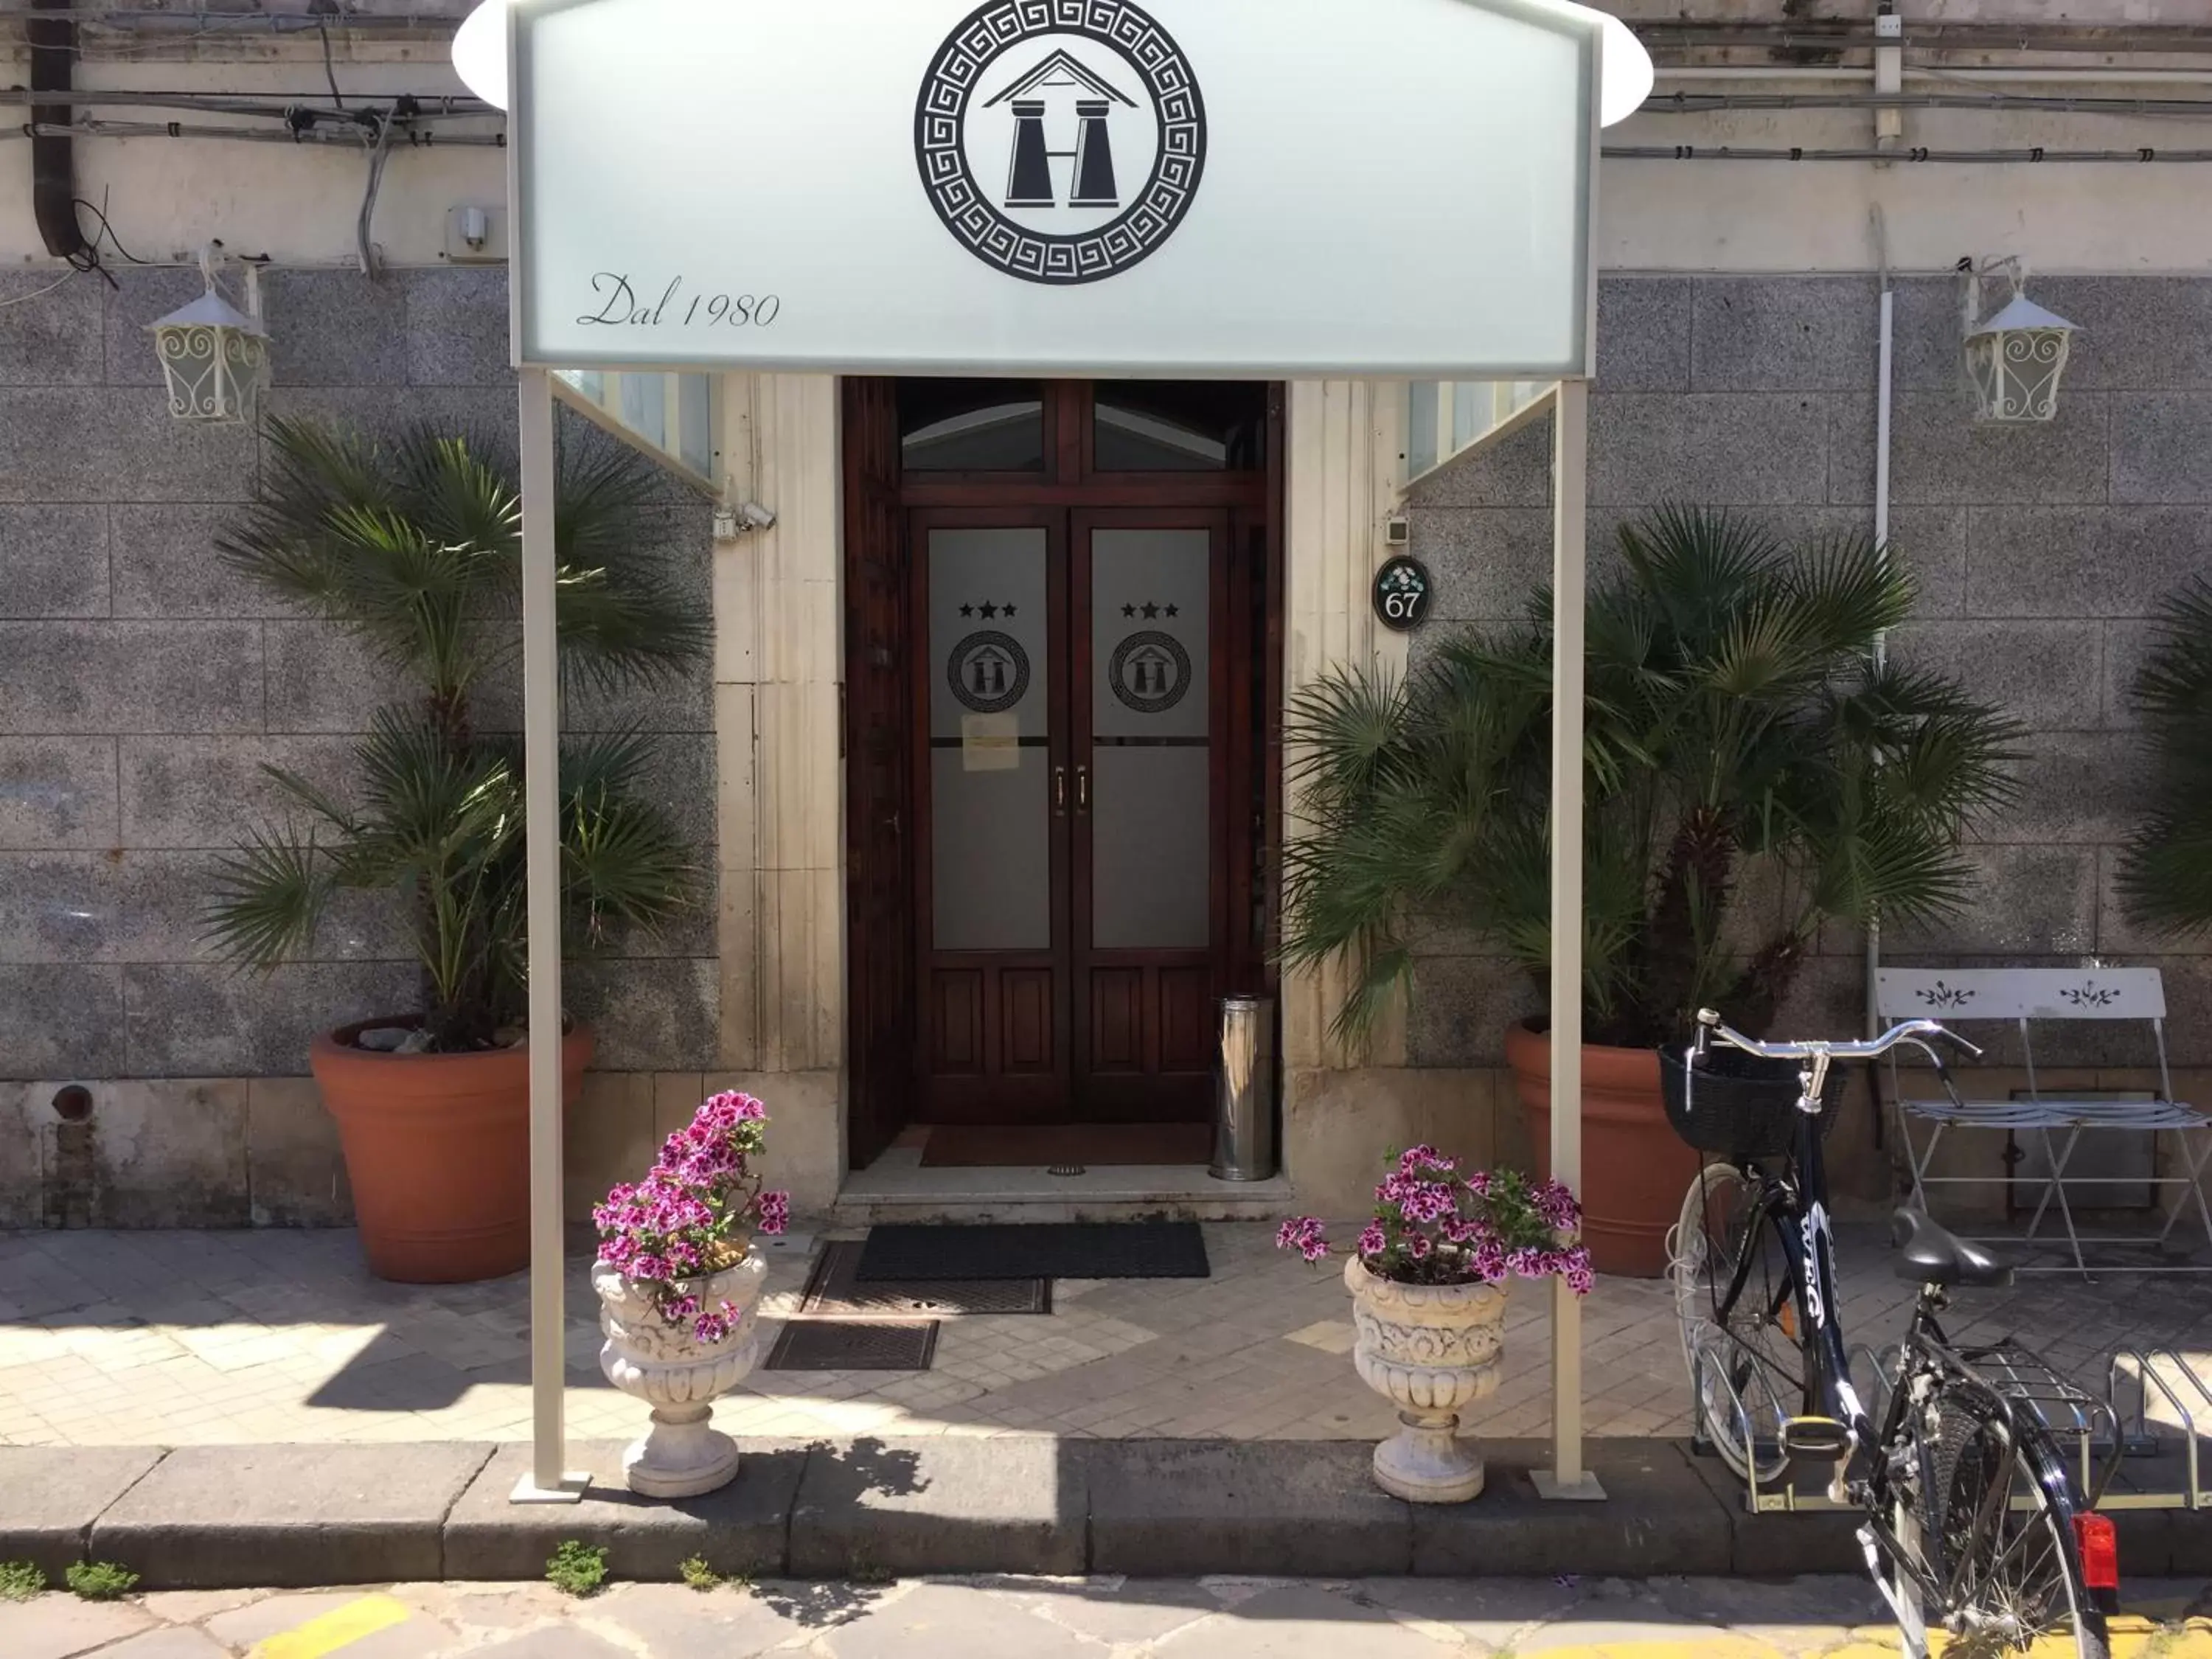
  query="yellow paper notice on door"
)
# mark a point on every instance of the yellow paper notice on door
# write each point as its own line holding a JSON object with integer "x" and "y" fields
{"x": 990, "y": 743}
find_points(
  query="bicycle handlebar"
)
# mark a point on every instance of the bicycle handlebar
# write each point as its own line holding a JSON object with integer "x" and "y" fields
{"x": 1914, "y": 1031}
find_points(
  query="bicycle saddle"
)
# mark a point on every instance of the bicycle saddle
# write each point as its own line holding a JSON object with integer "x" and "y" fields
{"x": 1930, "y": 1255}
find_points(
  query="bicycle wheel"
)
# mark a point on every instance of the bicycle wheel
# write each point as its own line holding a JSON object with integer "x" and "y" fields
{"x": 2004, "y": 1545}
{"x": 1746, "y": 1370}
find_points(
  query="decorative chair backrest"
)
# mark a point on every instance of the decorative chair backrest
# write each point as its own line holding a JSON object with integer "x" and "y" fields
{"x": 1959, "y": 995}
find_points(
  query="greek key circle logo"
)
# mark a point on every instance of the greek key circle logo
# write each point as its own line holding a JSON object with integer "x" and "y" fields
{"x": 1150, "y": 672}
{"x": 988, "y": 671}
{"x": 1062, "y": 141}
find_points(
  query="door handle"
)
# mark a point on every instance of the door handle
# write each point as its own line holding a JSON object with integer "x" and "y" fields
{"x": 1082, "y": 789}
{"x": 1059, "y": 792}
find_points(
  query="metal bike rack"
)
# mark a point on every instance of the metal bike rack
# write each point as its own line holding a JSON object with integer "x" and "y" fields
{"x": 1760, "y": 1499}
{"x": 2100, "y": 1435}
{"x": 2189, "y": 1395}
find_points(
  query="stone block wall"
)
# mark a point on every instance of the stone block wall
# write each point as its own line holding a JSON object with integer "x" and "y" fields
{"x": 2040, "y": 550}
{"x": 143, "y": 686}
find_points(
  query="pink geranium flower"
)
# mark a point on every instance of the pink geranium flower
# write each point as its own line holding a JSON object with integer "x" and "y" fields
{"x": 691, "y": 1216}
{"x": 1435, "y": 1225}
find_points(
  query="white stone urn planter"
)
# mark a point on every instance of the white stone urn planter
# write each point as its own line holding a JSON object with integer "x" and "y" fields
{"x": 1430, "y": 1350}
{"x": 682, "y": 1455}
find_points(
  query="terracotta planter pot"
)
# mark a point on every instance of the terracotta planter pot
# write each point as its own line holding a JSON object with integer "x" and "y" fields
{"x": 1635, "y": 1166}
{"x": 437, "y": 1147}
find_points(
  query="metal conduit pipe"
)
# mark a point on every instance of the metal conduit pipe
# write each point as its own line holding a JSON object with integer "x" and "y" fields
{"x": 204, "y": 21}
{"x": 416, "y": 137}
{"x": 1833, "y": 35}
{"x": 1706, "y": 103}
{"x": 2037, "y": 155}
{"x": 1884, "y": 398}
{"x": 2051, "y": 75}
{"x": 276, "y": 107}
{"x": 53, "y": 158}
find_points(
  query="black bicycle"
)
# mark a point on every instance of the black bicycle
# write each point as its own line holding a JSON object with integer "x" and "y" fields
{"x": 1974, "y": 1522}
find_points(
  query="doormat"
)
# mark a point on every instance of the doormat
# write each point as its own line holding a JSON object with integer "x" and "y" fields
{"x": 833, "y": 1292}
{"x": 832, "y": 1345}
{"x": 1040, "y": 1145}
{"x": 1081, "y": 1250}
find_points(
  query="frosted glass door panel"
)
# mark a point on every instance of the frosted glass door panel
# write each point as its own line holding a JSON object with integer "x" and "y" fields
{"x": 1152, "y": 723}
{"x": 1151, "y": 850}
{"x": 992, "y": 885}
{"x": 990, "y": 806}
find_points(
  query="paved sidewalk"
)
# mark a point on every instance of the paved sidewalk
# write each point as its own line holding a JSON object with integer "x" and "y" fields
{"x": 1034, "y": 1619}
{"x": 179, "y": 1339}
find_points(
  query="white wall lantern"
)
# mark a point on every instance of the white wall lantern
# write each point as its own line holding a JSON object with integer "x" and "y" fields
{"x": 213, "y": 356}
{"x": 2016, "y": 357}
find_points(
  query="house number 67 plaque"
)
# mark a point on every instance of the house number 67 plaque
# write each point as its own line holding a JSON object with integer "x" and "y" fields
{"x": 1401, "y": 594}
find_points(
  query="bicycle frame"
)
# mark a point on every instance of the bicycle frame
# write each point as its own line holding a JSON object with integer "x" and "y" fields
{"x": 1794, "y": 1205}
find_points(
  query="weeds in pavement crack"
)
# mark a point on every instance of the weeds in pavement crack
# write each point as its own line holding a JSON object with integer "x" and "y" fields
{"x": 577, "y": 1568}
{"x": 100, "y": 1581}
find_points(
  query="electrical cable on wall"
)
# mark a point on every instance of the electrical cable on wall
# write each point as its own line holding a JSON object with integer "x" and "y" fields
{"x": 378, "y": 154}
{"x": 71, "y": 275}
{"x": 330, "y": 69}
{"x": 107, "y": 230}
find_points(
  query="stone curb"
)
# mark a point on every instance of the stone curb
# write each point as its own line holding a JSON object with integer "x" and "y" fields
{"x": 210, "y": 1517}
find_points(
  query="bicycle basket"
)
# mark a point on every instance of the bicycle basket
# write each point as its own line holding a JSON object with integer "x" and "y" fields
{"x": 1739, "y": 1105}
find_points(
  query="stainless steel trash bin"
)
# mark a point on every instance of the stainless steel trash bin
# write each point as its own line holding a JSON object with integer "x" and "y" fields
{"x": 1244, "y": 1091}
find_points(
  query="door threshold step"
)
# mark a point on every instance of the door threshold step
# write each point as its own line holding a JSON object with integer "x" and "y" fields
{"x": 1132, "y": 1192}
{"x": 862, "y": 1211}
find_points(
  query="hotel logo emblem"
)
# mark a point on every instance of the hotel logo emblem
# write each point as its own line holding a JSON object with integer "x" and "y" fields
{"x": 1062, "y": 141}
{"x": 1149, "y": 671}
{"x": 988, "y": 671}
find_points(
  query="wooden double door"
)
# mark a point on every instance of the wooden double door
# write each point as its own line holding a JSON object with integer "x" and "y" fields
{"x": 1062, "y": 744}
{"x": 1072, "y": 723}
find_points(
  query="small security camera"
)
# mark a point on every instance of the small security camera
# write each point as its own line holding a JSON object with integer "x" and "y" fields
{"x": 732, "y": 522}
{"x": 475, "y": 227}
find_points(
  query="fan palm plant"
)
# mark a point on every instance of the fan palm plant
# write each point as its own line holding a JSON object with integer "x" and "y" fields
{"x": 1737, "y": 717}
{"x": 2165, "y": 875}
{"x": 414, "y": 547}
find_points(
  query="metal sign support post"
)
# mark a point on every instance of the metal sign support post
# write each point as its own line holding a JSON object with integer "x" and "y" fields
{"x": 1567, "y": 1478}
{"x": 547, "y": 1482}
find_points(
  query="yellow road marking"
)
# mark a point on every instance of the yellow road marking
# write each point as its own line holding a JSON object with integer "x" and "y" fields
{"x": 338, "y": 1628}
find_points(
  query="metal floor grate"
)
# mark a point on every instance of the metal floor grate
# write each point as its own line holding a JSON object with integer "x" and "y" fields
{"x": 833, "y": 1292}
{"x": 831, "y": 1345}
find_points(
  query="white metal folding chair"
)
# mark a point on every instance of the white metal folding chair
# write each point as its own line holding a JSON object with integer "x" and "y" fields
{"x": 2022, "y": 997}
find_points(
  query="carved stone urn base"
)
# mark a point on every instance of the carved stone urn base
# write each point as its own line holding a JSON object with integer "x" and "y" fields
{"x": 681, "y": 1456}
{"x": 1429, "y": 1350}
{"x": 1427, "y": 1462}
